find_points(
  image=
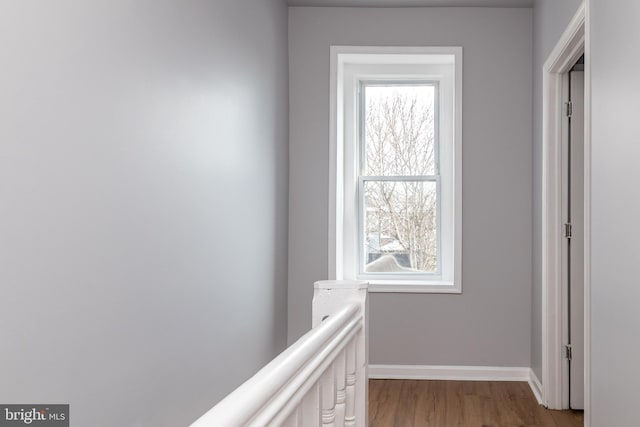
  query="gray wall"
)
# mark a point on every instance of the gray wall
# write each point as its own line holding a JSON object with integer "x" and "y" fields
{"x": 550, "y": 18}
{"x": 615, "y": 208}
{"x": 143, "y": 189}
{"x": 490, "y": 323}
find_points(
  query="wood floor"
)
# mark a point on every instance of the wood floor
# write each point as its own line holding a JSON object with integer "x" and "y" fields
{"x": 410, "y": 403}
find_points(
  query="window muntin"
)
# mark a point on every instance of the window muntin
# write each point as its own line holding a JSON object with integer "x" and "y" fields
{"x": 399, "y": 182}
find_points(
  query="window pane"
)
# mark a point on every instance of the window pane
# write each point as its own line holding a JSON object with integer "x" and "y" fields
{"x": 400, "y": 226}
{"x": 399, "y": 130}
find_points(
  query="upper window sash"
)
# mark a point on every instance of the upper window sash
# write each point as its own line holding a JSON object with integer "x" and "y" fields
{"x": 389, "y": 81}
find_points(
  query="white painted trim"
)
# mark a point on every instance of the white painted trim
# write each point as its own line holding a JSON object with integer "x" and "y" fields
{"x": 536, "y": 386}
{"x": 335, "y": 147}
{"x": 566, "y": 52}
{"x": 340, "y": 55}
{"x": 449, "y": 373}
{"x": 587, "y": 217}
{"x": 417, "y": 288}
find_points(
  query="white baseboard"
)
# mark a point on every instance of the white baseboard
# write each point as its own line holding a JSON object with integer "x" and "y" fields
{"x": 458, "y": 373}
{"x": 536, "y": 386}
{"x": 453, "y": 373}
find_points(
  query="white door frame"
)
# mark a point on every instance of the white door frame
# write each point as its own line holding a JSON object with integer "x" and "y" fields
{"x": 572, "y": 44}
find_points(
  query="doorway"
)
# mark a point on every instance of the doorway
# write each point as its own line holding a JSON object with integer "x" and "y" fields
{"x": 555, "y": 226}
{"x": 573, "y": 246}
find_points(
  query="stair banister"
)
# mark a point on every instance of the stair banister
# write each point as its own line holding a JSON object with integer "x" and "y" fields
{"x": 319, "y": 381}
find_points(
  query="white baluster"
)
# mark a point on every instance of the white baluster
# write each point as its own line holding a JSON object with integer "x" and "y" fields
{"x": 362, "y": 379}
{"x": 310, "y": 408}
{"x": 350, "y": 415}
{"x": 341, "y": 384}
{"x": 328, "y": 400}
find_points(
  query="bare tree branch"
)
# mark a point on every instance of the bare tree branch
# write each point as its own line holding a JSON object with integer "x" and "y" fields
{"x": 400, "y": 141}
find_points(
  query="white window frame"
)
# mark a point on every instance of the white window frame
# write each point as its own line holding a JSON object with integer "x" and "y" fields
{"x": 349, "y": 66}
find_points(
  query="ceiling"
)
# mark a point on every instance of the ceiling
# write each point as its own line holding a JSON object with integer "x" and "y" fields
{"x": 413, "y": 3}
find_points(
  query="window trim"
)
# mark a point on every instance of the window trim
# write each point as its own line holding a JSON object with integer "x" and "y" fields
{"x": 346, "y": 55}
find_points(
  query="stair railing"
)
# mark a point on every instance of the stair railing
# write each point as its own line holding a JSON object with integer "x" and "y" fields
{"x": 319, "y": 381}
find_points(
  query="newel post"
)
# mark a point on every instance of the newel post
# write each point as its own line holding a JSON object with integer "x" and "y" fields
{"x": 329, "y": 296}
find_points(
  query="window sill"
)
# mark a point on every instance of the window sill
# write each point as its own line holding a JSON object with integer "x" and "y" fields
{"x": 414, "y": 286}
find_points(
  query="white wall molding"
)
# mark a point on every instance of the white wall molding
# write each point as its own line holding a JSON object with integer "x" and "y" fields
{"x": 458, "y": 373}
{"x": 587, "y": 216}
{"x": 449, "y": 373}
{"x": 536, "y": 386}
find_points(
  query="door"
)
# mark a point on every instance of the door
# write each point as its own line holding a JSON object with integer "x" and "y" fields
{"x": 576, "y": 240}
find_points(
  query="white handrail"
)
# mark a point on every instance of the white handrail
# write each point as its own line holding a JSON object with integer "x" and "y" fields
{"x": 271, "y": 396}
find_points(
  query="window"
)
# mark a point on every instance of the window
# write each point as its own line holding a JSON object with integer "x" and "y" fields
{"x": 395, "y": 214}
